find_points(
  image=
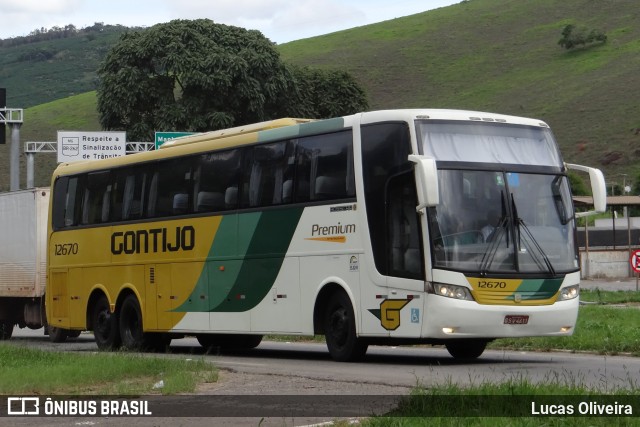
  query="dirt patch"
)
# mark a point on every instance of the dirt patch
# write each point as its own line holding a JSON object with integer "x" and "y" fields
{"x": 239, "y": 383}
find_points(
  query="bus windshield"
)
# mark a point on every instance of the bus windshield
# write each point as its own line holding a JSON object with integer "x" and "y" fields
{"x": 503, "y": 222}
{"x": 488, "y": 143}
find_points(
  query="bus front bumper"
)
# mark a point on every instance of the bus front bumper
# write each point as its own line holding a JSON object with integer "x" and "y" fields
{"x": 451, "y": 318}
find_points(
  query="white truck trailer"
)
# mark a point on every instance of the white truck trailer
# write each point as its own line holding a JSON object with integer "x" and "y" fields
{"x": 23, "y": 261}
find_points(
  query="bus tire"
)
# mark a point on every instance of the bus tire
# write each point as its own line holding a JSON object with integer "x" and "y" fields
{"x": 466, "y": 349}
{"x": 73, "y": 334}
{"x": 241, "y": 341}
{"x": 158, "y": 342}
{"x": 208, "y": 341}
{"x": 130, "y": 322}
{"x": 340, "y": 330}
{"x": 248, "y": 342}
{"x": 229, "y": 341}
{"x": 105, "y": 325}
{"x": 57, "y": 334}
{"x": 6, "y": 330}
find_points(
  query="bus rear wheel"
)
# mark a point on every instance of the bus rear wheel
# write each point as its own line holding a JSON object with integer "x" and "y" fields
{"x": 466, "y": 349}
{"x": 340, "y": 330}
{"x": 57, "y": 334}
{"x": 6, "y": 330}
{"x": 132, "y": 333}
{"x": 130, "y": 323}
{"x": 229, "y": 341}
{"x": 105, "y": 325}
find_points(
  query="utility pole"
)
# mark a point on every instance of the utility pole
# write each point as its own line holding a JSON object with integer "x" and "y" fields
{"x": 14, "y": 118}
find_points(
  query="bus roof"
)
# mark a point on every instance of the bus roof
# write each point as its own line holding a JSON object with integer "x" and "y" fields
{"x": 448, "y": 114}
{"x": 239, "y": 130}
{"x": 284, "y": 128}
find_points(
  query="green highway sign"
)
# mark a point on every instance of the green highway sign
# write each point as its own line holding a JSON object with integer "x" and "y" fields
{"x": 162, "y": 137}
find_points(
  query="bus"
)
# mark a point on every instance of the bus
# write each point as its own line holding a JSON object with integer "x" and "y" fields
{"x": 442, "y": 227}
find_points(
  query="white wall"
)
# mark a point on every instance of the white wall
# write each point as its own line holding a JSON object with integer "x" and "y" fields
{"x": 605, "y": 264}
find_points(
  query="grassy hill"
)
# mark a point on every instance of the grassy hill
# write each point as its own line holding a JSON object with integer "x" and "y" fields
{"x": 491, "y": 55}
{"x": 503, "y": 56}
{"x": 47, "y": 67}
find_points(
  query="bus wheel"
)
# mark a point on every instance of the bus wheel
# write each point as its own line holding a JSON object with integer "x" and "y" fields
{"x": 131, "y": 324}
{"x": 466, "y": 349}
{"x": 157, "y": 341}
{"x": 57, "y": 334}
{"x": 105, "y": 325}
{"x": 248, "y": 341}
{"x": 73, "y": 334}
{"x": 240, "y": 342}
{"x": 6, "y": 330}
{"x": 208, "y": 341}
{"x": 340, "y": 330}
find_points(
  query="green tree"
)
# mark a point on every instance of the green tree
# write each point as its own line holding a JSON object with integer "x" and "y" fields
{"x": 326, "y": 93}
{"x": 199, "y": 76}
{"x": 573, "y": 36}
{"x": 578, "y": 187}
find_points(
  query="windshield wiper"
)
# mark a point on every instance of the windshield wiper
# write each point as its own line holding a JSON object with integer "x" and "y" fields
{"x": 520, "y": 225}
{"x": 494, "y": 245}
{"x": 501, "y": 228}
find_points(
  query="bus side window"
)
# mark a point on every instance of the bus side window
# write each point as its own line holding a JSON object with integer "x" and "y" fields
{"x": 171, "y": 188}
{"x": 403, "y": 225}
{"x": 128, "y": 191}
{"x": 95, "y": 204}
{"x": 324, "y": 168}
{"x": 216, "y": 181}
{"x": 385, "y": 151}
{"x": 66, "y": 202}
{"x": 268, "y": 168}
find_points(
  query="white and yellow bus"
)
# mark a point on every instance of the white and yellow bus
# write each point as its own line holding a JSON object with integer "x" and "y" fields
{"x": 405, "y": 226}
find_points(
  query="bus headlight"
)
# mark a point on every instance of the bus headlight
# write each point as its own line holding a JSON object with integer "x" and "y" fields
{"x": 570, "y": 292}
{"x": 449, "y": 291}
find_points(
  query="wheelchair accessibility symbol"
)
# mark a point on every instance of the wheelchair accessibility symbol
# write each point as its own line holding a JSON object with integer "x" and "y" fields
{"x": 415, "y": 315}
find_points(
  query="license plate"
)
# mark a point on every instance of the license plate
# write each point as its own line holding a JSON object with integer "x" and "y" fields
{"x": 516, "y": 320}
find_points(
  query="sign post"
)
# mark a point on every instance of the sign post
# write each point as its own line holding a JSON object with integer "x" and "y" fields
{"x": 635, "y": 264}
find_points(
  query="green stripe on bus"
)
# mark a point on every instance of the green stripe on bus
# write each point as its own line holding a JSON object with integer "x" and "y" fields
{"x": 311, "y": 128}
{"x": 240, "y": 282}
{"x": 263, "y": 260}
{"x": 534, "y": 289}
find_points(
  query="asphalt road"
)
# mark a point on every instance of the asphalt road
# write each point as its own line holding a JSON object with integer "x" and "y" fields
{"x": 305, "y": 371}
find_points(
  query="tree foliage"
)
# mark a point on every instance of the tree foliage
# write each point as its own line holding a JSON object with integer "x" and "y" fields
{"x": 199, "y": 76}
{"x": 573, "y": 36}
{"x": 578, "y": 187}
{"x": 326, "y": 93}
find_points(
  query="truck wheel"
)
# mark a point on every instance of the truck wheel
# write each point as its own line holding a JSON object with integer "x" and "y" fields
{"x": 131, "y": 324}
{"x": 6, "y": 330}
{"x": 466, "y": 349}
{"x": 105, "y": 325}
{"x": 340, "y": 330}
{"x": 57, "y": 334}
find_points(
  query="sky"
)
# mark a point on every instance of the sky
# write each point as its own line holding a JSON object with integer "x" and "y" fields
{"x": 280, "y": 21}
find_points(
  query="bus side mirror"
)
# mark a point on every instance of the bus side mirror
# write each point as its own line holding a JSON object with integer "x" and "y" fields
{"x": 426, "y": 181}
{"x": 598, "y": 189}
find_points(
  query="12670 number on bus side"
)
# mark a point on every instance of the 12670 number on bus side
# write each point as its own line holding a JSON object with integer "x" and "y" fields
{"x": 66, "y": 249}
